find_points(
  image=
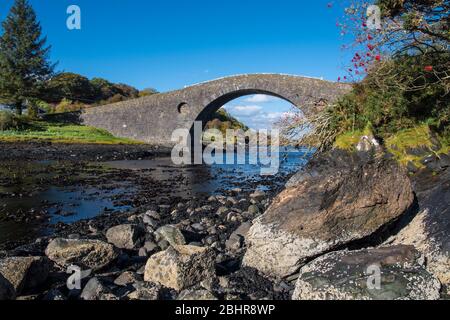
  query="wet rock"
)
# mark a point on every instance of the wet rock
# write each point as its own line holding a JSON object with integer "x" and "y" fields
{"x": 411, "y": 167}
{"x": 171, "y": 234}
{"x": 54, "y": 295}
{"x": 96, "y": 290}
{"x": 350, "y": 275}
{"x": 153, "y": 214}
{"x": 253, "y": 210}
{"x": 431, "y": 162}
{"x": 7, "y": 291}
{"x": 200, "y": 295}
{"x": 125, "y": 236}
{"x": 258, "y": 195}
{"x": 342, "y": 197}
{"x": 25, "y": 272}
{"x": 236, "y": 240}
{"x": 86, "y": 254}
{"x": 150, "y": 221}
{"x": 222, "y": 211}
{"x": 429, "y": 229}
{"x": 180, "y": 266}
{"x": 444, "y": 161}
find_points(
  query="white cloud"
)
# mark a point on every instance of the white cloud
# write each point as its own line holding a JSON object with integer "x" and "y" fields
{"x": 258, "y": 98}
{"x": 245, "y": 111}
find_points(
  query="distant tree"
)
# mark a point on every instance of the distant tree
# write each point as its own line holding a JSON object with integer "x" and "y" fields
{"x": 24, "y": 64}
{"x": 103, "y": 88}
{"x": 126, "y": 90}
{"x": 148, "y": 92}
{"x": 106, "y": 90}
{"x": 70, "y": 86}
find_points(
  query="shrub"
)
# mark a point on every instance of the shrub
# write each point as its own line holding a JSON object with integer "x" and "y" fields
{"x": 68, "y": 106}
{"x": 7, "y": 120}
{"x": 11, "y": 121}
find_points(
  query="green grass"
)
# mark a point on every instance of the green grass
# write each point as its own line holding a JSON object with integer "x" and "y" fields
{"x": 39, "y": 131}
{"x": 349, "y": 140}
{"x": 420, "y": 136}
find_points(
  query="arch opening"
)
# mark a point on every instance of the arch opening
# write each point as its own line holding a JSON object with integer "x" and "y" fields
{"x": 252, "y": 108}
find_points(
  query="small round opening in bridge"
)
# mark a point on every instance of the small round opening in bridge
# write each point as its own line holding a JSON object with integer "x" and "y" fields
{"x": 183, "y": 108}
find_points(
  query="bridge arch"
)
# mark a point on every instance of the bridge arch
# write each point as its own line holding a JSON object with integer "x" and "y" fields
{"x": 152, "y": 119}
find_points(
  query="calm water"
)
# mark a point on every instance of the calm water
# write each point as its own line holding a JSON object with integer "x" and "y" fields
{"x": 66, "y": 194}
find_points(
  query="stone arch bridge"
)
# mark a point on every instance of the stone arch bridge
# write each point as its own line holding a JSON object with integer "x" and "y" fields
{"x": 152, "y": 119}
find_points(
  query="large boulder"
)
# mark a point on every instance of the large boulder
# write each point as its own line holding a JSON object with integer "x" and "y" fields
{"x": 338, "y": 198}
{"x": 429, "y": 229}
{"x": 351, "y": 275}
{"x": 25, "y": 272}
{"x": 125, "y": 236}
{"x": 86, "y": 254}
{"x": 180, "y": 267}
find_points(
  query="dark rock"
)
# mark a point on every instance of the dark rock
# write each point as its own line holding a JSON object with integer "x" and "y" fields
{"x": 7, "y": 291}
{"x": 444, "y": 161}
{"x": 96, "y": 290}
{"x": 350, "y": 275}
{"x": 54, "y": 295}
{"x": 429, "y": 229}
{"x": 411, "y": 167}
{"x": 340, "y": 198}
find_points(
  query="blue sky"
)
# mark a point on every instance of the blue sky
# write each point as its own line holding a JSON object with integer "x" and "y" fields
{"x": 168, "y": 44}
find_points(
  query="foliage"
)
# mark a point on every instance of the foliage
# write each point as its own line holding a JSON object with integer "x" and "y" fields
{"x": 401, "y": 143}
{"x": 62, "y": 133}
{"x": 223, "y": 121}
{"x": 7, "y": 120}
{"x": 68, "y": 106}
{"x": 24, "y": 65}
{"x": 70, "y": 86}
{"x": 401, "y": 73}
{"x": 11, "y": 121}
{"x": 148, "y": 92}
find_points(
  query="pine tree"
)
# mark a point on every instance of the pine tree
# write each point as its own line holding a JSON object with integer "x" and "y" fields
{"x": 24, "y": 64}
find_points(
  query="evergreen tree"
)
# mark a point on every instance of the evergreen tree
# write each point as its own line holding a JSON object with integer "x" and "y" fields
{"x": 24, "y": 64}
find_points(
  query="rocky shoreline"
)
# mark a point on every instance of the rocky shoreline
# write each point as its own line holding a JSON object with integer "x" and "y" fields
{"x": 41, "y": 151}
{"x": 316, "y": 239}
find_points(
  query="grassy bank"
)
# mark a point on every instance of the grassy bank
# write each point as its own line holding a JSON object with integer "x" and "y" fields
{"x": 40, "y": 131}
{"x": 407, "y": 145}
